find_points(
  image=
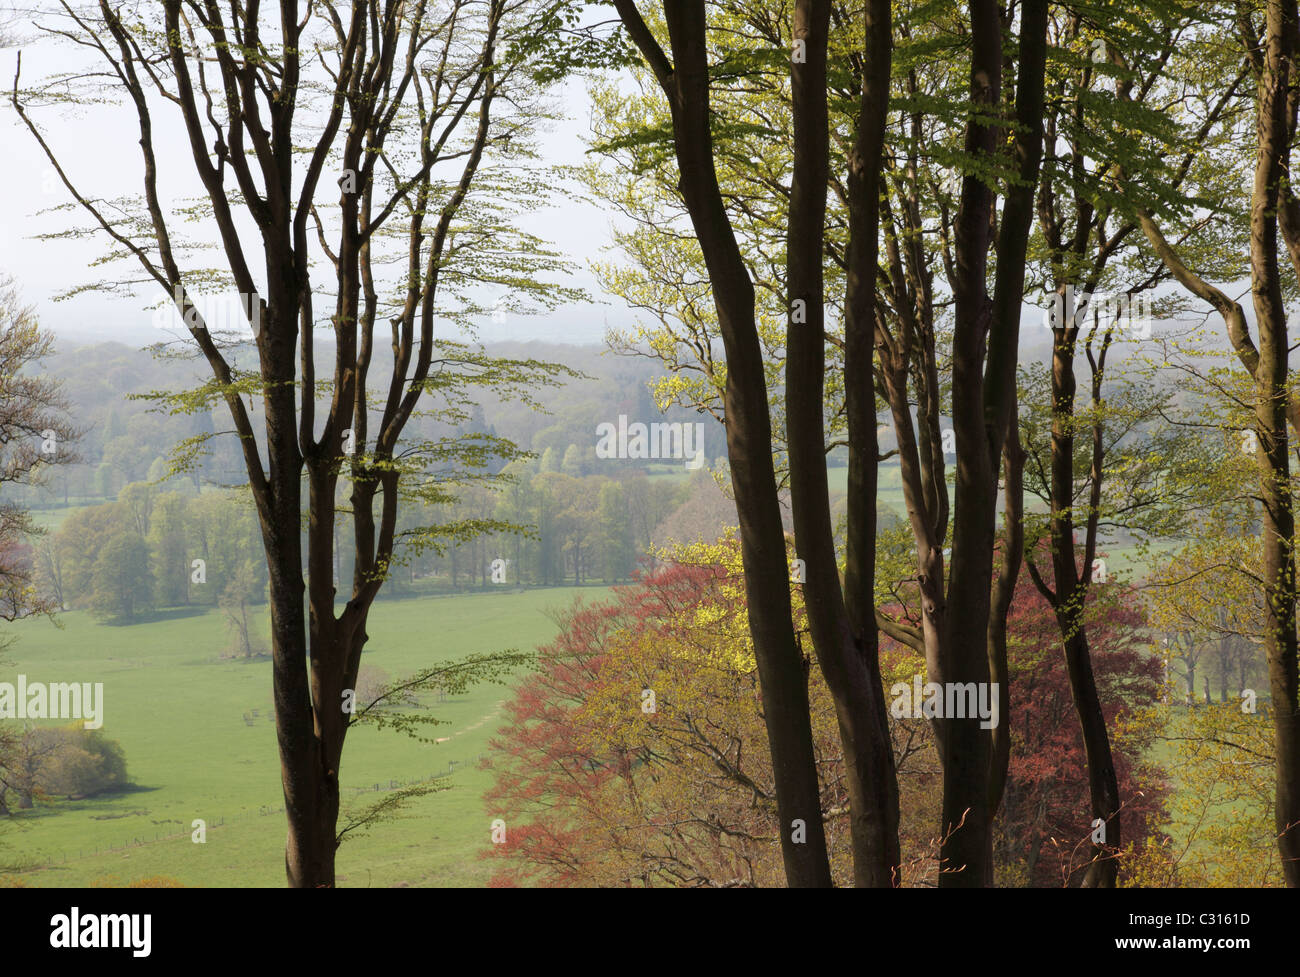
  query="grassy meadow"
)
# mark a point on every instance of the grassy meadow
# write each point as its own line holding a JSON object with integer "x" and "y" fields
{"x": 177, "y": 707}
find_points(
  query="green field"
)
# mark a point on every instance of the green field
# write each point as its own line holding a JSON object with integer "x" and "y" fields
{"x": 50, "y": 518}
{"x": 889, "y": 489}
{"x": 177, "y": 708}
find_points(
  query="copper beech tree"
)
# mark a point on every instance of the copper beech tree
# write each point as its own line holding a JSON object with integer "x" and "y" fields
{"x": 359, "y": 163}
{"x": 680, "y": 791}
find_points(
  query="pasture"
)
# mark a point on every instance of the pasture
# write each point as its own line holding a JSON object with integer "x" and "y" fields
{"x": 178, "y": 709}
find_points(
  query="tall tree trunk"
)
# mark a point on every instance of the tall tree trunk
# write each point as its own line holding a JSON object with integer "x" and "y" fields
{"x": 309, "y": 861}
{"x": 957, "y": 629}
{"x": 850, "y": 669}
{"x": 258, "y": 131}
{"x": 1068, "y": 594}
{"x": 1013, "y": 541}
{"x": 1270, "y": 412}
{"x": 685, "y": 81}
{"x": 865, "y": 184}
{"x": 1103, "y": 785}
{"x": 983, "y": 398}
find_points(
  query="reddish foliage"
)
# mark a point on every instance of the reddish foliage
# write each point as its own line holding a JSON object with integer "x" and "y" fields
{"x": 543, "y": 771}
{"x": 545, "y": 775}
{"x": 1046, "y": 815}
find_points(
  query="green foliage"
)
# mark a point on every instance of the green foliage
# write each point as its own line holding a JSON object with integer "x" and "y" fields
{"x": 80, "y": 762}
{"x": 169, "y": 551}
{"x": 121, "y": 581}
{"x": 616, "y": 541}
{"x": 560, "y": 43}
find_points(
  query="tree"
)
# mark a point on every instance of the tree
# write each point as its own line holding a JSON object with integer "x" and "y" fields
{"x": 79, "y": 541}
{"x": 1205, "y": 598}
{"x": 516, "y": 504}
{"x": 224, "y": 534}
{"x": 137, "y": 500}
{"x": 963, "y": 628}
{"x": 841, "y": 618}
{"x": 81, "y": 762}
{"x": 35, "y": 433}
{"x": 575, "y": 522}
{"x": 633, "y": 754}
{"x": 414, "y": 113}
{"x": 549, "y": 550}
{"x": 49, "y": 574}
{"x": 1048, "y": 828}
{"x": 168, "y": 550}
{"x": 934, "y": 110}
{"x": 572, "y": 464}
{"x": 234, "y": 601}
{"x": 685, "y": 82}
{"x": 1274, "y": 210}
{"x": 617, "y": 547}
{"x": 1107, "y": 69}
{"x": 1224, "y": 813}
{"x": 121, "y": 580}
{"x": 23, "y": 757}
{"x": 104, "y": 481}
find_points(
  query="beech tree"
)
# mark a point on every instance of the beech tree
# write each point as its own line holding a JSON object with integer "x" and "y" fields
{"x": 1274, "y": 213}
{"x": 961, "y": 625}
{"x": 1094, "y": 275}
{"x": 683, "y": 74}
{"x": 420, "y": 114}
{"x": 754, "y": 206}
{"x": 841, "y": 618}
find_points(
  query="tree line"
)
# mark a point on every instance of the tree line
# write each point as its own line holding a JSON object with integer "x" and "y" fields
{"x": 155, "y": 547}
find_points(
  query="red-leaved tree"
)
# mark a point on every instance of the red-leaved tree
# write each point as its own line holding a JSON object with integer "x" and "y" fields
{"x": 1043, "y": 831}
{"x": 597, "y": 789}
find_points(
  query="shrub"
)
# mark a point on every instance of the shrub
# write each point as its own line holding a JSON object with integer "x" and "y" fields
{"x": 83, "y": 762}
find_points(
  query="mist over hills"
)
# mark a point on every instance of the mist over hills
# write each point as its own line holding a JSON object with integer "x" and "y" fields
{"x": 127, "y": 439}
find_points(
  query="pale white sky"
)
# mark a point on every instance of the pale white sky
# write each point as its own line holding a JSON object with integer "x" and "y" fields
{"x": 98, "y": 146}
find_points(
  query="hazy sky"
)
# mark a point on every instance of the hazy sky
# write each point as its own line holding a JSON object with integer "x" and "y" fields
{"x": 98, "y": 146}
